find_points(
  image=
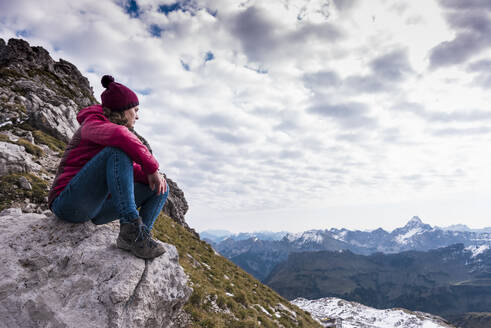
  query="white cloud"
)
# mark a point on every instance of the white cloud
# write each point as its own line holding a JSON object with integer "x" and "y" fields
{"x": 271, "y": 109}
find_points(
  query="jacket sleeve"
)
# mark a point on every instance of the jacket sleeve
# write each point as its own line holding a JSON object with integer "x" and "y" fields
{"x": 113, "y": 135}
{"x": 139, "y": 175}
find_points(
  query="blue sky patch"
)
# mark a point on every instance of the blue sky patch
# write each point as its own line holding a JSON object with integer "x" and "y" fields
{"x": 166, "y": 9}
{"x": 132, "y": 9}
{"x": 185, "y": 66}
{"x": 156, "y": 30}
{"x": 209, "y": 56}
{"x": 144, "y": 92}
{"x": 23, "y": 33}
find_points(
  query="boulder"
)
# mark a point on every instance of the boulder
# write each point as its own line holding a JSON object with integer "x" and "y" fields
{"x": 14, "y": 159}
{"x": 59, "y": 274}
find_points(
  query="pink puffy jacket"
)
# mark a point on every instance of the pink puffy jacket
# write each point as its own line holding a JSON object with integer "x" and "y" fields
{"x": 95, "y": 133}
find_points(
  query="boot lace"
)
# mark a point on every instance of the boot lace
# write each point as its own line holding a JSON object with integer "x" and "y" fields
{"x": 144, "y": 235}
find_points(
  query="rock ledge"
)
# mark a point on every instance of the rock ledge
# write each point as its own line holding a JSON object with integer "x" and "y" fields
{"x": 58, "y": 274}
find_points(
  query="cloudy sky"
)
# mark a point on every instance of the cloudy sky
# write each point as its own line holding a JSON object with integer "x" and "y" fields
{"x": 295, "y": 114}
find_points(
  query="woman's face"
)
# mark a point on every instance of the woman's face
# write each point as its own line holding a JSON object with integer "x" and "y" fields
{"x": 131, "y": 115}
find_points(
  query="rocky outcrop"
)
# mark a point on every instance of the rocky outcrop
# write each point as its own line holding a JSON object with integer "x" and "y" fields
{"x": 39, "y": 101}
{"x": 37, "y": 90}
{"x": 58, "y": 274}
{"x": 176, "y": 205}
{"x": 14, "y": 159}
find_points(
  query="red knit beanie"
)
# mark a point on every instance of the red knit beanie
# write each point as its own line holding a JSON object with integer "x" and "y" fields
{"x": 117, "y": 97}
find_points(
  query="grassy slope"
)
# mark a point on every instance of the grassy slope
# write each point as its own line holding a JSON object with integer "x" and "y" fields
{"x": 224, "y": 295}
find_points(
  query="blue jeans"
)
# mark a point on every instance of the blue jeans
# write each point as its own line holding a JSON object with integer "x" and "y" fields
{"x": 110, "y": 172}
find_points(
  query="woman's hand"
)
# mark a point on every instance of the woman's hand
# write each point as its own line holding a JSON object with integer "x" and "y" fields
{"x": 157, "y": 182}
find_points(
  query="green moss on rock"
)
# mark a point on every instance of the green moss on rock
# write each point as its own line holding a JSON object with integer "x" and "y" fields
{"x": 14, "y": 107}
{"x": 30, "y": 148}
{"x": 4, "y": 138}
{"x": 54, "y": 144}
{"x": 11, "y": 191}
{"x": 9, "y": 75}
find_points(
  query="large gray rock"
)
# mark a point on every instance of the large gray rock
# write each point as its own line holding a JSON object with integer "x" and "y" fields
{"x": 58, "y": 274}
{"x": 14, "y": 159}
{"x": 40, "y": 91}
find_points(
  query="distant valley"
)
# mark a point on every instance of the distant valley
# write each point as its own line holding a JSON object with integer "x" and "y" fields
{"x": 443, "y": 271}
{"x": 446, "y": 281}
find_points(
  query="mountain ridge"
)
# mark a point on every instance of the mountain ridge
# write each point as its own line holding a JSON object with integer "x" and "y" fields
{"x": 258, "y": 256}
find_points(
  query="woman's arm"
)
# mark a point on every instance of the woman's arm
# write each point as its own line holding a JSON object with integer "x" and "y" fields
{"x": 150, "y": 179}
{"x": 109, "y": 134}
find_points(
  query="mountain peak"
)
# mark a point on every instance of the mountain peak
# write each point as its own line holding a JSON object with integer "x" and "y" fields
{"x": 415, "y": 221}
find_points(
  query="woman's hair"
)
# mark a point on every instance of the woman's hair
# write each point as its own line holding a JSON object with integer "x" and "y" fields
{"x": 115, "y": 117}
{"x": 119, "y": 118}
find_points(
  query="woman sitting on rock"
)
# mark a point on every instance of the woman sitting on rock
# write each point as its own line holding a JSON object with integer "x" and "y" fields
{"x": 106, "y": 173}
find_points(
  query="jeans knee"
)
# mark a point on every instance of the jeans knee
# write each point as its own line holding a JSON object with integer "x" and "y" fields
{"x": 163, "y": 197}
{"x": 70, "y": 212}
{"x": 114, "y": 151}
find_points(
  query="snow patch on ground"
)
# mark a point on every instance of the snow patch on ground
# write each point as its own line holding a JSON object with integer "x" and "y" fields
{"x": 403, "y": 239}
{"x": 355, "y": 315}
{"x": 293, "y": 236}
{"x": 341, "y": 236}
{"x": 313, "y": 236}
{"x": 476, "y": 250}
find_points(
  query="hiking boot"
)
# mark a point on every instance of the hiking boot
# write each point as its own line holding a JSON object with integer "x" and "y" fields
{"x": 135, "y": 237}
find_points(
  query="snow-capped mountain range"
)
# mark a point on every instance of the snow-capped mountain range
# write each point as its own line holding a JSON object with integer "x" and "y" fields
{"x": 258, "y": 256}
{"x": 355, "y": 315}
{"x": 415, "y": 235}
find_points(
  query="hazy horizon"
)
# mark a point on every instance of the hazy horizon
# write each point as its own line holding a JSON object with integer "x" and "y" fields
{"x": 210, "y": 230}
